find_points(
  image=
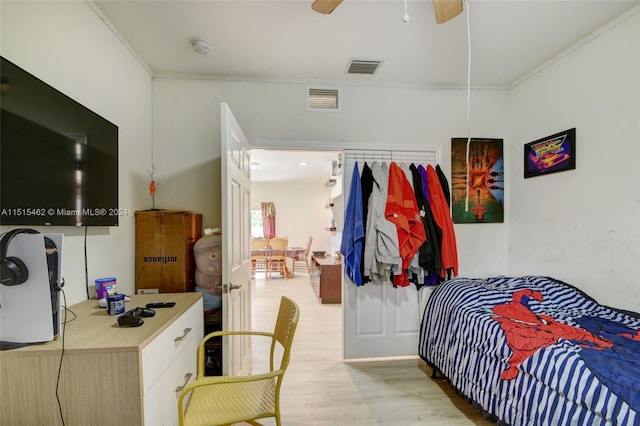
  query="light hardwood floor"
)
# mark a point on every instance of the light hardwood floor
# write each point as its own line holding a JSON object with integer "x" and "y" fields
{"x": 319, "y": 388}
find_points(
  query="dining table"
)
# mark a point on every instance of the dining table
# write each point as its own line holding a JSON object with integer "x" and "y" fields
{"x": 290, "y": 252}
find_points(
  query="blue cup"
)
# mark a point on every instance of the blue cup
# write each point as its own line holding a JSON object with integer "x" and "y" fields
{"x": 115, "y": 304}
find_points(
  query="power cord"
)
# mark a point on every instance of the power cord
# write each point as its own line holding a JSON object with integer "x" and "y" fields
{"x": 64, "y": 328}
{"x": 86, "y": 267}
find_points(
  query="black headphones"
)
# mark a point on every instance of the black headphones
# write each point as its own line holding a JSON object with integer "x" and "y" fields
{"x": 13, "y": 271}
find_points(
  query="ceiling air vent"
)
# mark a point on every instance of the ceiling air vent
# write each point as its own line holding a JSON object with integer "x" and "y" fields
{"x": 323, "y": 99}
{"x": 363, "y": 67}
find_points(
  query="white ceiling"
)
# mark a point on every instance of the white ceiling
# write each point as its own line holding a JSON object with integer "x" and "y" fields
{"x": 268, "y": 39}
{"x": 281, "y": 165}
{"x": 288, "y": 41}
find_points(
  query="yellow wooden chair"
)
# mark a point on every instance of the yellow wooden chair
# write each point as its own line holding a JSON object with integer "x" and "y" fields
{"x": 304, "y": 257}
{"x": 224, "y": 400}
{"x": 259, "y": 255}
{"x": 277, "y": 261}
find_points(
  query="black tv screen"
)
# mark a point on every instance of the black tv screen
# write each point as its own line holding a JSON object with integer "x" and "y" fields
{"x": 58, "y": 159}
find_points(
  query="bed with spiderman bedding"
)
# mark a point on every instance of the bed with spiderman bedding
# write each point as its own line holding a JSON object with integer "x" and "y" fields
{"x": 534, "y": 351}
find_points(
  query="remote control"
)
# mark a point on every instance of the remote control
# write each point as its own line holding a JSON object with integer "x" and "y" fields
{"x": 161, "y": 305}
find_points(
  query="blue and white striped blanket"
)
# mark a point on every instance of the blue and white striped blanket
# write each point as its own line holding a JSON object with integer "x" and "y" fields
{"x": 535, "y": 351}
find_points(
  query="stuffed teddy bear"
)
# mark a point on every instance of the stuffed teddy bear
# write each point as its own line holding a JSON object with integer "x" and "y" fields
{"x": 207, "y": 252}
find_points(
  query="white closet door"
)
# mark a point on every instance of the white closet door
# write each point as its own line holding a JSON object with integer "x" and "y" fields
{"x": 378, "y": 319}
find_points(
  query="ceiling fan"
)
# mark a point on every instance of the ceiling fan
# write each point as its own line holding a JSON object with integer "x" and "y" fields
{"x": 444, "y": 9}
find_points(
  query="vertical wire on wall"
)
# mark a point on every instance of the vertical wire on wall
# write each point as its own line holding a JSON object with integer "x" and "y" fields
{"x": 466, "y": 201}
{"x": 152, "y": 183}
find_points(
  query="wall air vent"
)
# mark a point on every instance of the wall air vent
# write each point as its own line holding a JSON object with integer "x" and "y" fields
{"x": 357, "y": 66}
{"x": 323, "y": 99}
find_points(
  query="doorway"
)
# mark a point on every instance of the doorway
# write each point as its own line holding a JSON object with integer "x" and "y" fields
{"x": 295, "y": 181}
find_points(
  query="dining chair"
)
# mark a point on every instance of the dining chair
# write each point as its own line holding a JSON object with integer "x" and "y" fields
{"x": 277, "y": 261}
{"x": 305, "y": 259}
{"x": 259, "y": 255}
{"x": 224, "y": 400}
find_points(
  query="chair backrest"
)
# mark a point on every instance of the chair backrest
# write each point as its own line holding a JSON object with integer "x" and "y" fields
{"x": 259, "y": 243}
{"x": 278, "y": 248}
{"x": 278, "y": 243}
{"x": 308, "y": 249}
{"x": 285, "y": 328}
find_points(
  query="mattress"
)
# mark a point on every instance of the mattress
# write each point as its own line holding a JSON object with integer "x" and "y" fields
{"x": 534, "y": 351}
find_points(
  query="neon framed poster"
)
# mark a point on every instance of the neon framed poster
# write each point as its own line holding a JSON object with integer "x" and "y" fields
{"x": 555, "y": 153}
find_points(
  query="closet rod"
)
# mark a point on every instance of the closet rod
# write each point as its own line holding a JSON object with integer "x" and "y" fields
{"x": 422, "y": 157}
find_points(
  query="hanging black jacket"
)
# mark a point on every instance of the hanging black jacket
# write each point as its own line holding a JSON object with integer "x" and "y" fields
{"x": 429, "y": 251}
{"x": 444, "y": 183}
{"x": 366, "y": 184}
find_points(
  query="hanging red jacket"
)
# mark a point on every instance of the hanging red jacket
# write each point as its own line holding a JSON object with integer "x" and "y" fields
{"x": 402, "y": 210}
{"x": 442, "y": 216}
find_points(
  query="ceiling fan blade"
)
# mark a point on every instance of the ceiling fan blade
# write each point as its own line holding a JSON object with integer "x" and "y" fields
{"x": 325, "y": 6}
{"x": 447, "y": 9}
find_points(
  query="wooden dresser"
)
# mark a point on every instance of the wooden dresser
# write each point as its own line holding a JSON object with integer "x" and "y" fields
{"x": 326, "y": 279}
{"x": 110, "y": 375}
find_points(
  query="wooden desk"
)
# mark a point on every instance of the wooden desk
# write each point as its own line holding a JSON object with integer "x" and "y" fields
{"x": 110, "y": 375}
{"x": 326, "y": 279}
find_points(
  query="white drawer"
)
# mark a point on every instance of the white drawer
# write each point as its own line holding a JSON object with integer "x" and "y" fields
{"x": 159, "y": 353}
{"x": 161, "y": 402}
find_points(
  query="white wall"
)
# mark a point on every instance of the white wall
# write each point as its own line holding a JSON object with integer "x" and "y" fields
{"x": 582, "y": 226}
{"x": 68, "y": 46}
{"x": 300, "y": 211}
{"x": 187, "y": 123}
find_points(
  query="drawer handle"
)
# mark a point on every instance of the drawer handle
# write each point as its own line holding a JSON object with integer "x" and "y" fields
{"x": 184, "y": 334}
{"x": 187, "y": 377}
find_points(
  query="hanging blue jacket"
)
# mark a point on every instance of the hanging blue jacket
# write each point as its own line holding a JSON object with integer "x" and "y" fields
{"x": 353, "y": 233}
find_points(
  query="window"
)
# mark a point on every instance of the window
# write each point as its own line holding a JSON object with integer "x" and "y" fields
{"x": 257, "y": 230}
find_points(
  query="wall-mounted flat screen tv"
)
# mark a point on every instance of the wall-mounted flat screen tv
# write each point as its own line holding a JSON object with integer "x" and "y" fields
{"x": 58, "y": 159}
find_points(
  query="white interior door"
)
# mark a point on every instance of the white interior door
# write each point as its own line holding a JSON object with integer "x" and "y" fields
{"x": 236, "y": 231}
{"x": 378, "y": 319}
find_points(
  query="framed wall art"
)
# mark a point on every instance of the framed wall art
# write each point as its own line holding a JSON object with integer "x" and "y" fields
{"x": 477, "y": 181}
{"x": 555, "y": 153}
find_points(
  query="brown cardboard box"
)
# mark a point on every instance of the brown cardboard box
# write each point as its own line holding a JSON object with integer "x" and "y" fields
{"x": 164, "y": 250}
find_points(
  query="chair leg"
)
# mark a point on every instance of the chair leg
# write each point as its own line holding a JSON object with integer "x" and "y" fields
{"x": 295, "y": 262}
